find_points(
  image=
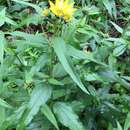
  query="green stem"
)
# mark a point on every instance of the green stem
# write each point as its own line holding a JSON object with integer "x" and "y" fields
{"x": 51, "y": 58}
{"x": 51, "y": 50}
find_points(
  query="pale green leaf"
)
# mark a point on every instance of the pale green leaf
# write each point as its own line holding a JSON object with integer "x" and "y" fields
{"x": 119, "y": 126}
{"x": 110, "y": 127}
{"x": 119, "y": 50}
{"x": 61, "y": 51}
{"x": 50, "y": 116}
{"x": 4, "y": 104}
{"x": 67, "y": 117}
{"x": 82, "y": 55}
{"x": 111, "y": 7}
{"x": 2, "y": 115}
{"x": 117, "y": 27}
{"x": 37, "y": 38}
{"x": 127, "y": 122}
{"x": 37, "y": 8}
{"x": 2, "y": 17}
{"x": 39, "y": 96}
{"x": 2, "y": 42}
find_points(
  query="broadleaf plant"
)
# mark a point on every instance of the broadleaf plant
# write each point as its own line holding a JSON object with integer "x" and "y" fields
{"x": 64, "y": 65}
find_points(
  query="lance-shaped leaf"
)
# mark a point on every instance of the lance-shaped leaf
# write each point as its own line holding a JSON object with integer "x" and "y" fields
{"x": 67, "y": 117}
{"x": 61, "y": 51}
{"x": 40, "y": 96}
{"x": 50, "y": 116}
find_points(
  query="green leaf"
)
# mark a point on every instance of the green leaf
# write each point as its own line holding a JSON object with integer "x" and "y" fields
{"x": 4, "y": 104}
{"x": 79, "y": 54}
{"x": 119, "y": 126}
{"x": 2, "y": 42}
{"x": 4, "y": 18}
{"x": 127, "y": 122}
{"x": 67, "y": 117}
{"x": 112, "y": 76}
{"x": 92, "y": 10}
{"x": 118, "y": 28}
{"x": 33, "y": 44}
{"x": 39, "y": 96}
{"x": 50, "y": 116}
{"x": 93, "y": 77}
{"x": 2, "y": 115}
{"x": 21, "y": 124}
{"x": 59, "y": 93}
{"x": 55, "y": 82}
{"x": 37, "y": 8}
{"x": 82, "y": 55}
{"x": 35, "y": 38}
{"x": 8, "y": 20}
{"x": 42, "y": 60}
{"x": 108, "y": 6}
{"x": 58, "y": 71}
{"x": 61, "y": 51}
{"x": 119, "y": 50}
{"x": 110, "y": 127}
{"x": 111, "y": 7}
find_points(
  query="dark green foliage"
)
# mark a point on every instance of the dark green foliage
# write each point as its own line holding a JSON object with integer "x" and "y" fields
{"x": 57, "y": 75}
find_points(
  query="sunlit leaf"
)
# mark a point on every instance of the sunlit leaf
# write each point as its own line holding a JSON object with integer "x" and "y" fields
{"x": 60, "y": 49}
{"x": 67, "y": 117}
{"x": 39, "y": 97}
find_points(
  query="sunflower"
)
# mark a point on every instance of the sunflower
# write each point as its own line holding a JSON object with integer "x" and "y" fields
{"x": 62, "y": 8}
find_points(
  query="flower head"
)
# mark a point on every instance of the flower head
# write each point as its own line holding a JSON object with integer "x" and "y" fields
{"x": 62, "y": 8}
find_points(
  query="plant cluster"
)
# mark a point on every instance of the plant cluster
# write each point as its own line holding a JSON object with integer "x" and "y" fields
{"x": 64, "y": 65}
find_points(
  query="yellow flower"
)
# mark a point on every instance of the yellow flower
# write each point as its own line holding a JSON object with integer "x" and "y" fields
{"x": 62, "y": 8}
{"x": 46, "y": 12}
